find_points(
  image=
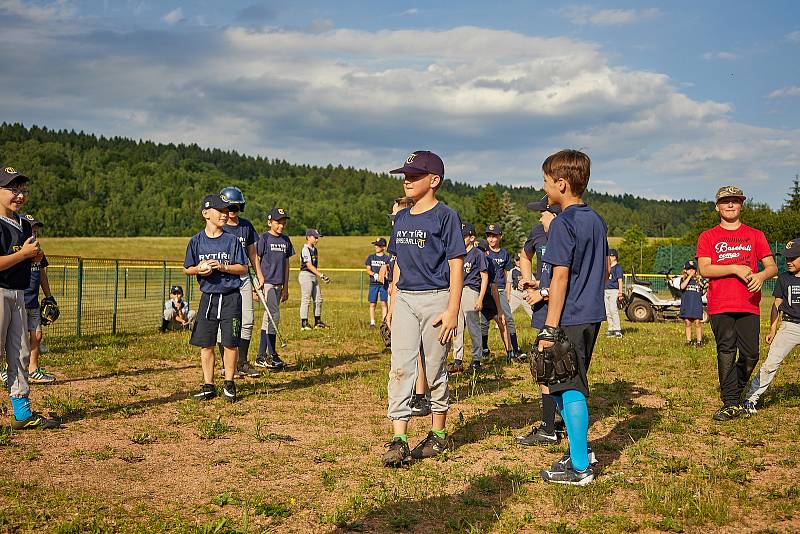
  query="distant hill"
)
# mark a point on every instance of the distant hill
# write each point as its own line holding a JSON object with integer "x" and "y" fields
{"x": 86, "y": 185}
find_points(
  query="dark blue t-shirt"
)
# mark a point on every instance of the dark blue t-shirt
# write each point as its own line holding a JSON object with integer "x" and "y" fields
{"x": 613, "y": 276}
{"x": 787, "y": 287}
{"x": 308, "y": 254}
{"x": 577, "y": 240}
{"x": 691, "y": 301}
{"x": 502, "y": 262}
{"x": 227, "y": 250}
{"x": 423, "y": 244}
{"x": 375, "y": 262}
{"x": 32, "y": 293}
{"x": 536, "y": 245}
{"x": 475, "y": 263}
{"x": 244, "y": 231}
{"x": 516, "y": 274}
{"x": 273, "y": 250}
{"x": 14, "y": 231}
{"x": 540, "y": 308}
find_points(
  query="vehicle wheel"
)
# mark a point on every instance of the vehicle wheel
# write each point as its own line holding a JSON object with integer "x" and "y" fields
{"x": 640, "y": 311}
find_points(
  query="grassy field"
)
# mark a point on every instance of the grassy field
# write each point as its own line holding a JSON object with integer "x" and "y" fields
{"x": 300, "y": 451}
{"x": 335, "y": 251}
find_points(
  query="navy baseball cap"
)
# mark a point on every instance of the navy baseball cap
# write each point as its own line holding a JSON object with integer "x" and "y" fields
{"x": 467, "y": 229}
{"x": 422, "y": 162}
{"x": 174, "y": 290}
{"x": 690, "y": 265}
{"x": 613, "y": 252}
{"x": 313, "y": 232}
{"x": 494, "y": 229}
{"x": 792, "y": 249}
{"x": 9, "y": 174}
{"x": 380, "y": 242}
{"x": 542, "y": 205}
{"x": 215, "y": 202}
{"x": 33, "y": 220}
{"x": 276, "y": 214}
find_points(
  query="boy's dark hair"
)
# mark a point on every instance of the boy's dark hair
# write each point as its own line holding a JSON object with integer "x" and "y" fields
{"x": 571, "y": 165}
{"x": 404, "y": 202}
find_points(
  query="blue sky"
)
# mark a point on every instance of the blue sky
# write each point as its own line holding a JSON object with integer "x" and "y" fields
{"x": 671, "y": 100}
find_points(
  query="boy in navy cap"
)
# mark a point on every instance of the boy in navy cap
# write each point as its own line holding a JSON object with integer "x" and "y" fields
{"x": 781, "y": 341}
{"x": 503, "y": 263}
{"x": 378, "y": 284}
{"x": 18, "y": 249}
{"x": 423, "y": 316}
{"x": 218, "y": 260}
{"x": 274, "y": 250}
{"x": 615, "y": 285}
{"x": 309, "y": 285}
{"x": 576, "y": 264}
{"x": 36, "y": 373}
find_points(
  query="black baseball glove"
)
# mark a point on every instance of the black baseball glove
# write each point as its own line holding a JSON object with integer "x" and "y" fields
{"x": 556, "y": 364}
{"x": 622, "y": 302}
{"x": 386, "y": 334}
{"x": 49, "y": 311}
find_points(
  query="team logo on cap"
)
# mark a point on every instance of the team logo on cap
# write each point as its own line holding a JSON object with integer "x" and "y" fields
{"x": 10, "y": 170}
{"x": 281, "y": 211}
{"x": 29, "y": 217}
{"x": 789, "y": 245}
{"x": 410, "y": 158}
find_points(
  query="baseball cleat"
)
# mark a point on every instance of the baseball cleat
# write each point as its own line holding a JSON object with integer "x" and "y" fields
{"x": 456, "y": 367}
{"x": 320, "y": 324}
{"x": 248, "y": 370}
{"x": 229, "y": 390}
{"x": 429, "y": 447}
{"x": 36, "y": 420}
{"x": 396, "y": 454}
{"x": 565, "y": 462}
{"x": 207, "y": 392}
{"x": 726, "y": 413}
{"x": 537, "y": 436}
{"x": 40, "y": 376}
{"x": 568, "y": 476}
{"x": 420, "y": 406}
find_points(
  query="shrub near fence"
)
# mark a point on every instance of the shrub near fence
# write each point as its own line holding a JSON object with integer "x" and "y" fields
{"x": 102, "y": 296}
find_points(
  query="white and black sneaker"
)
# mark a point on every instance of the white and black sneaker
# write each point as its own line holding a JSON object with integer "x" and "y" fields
{"x": 268, "y": 362}
{"x": 750, "y": 407}
{"x": 276, "y": 360}
{"x": 568, "y": 476}
{"x": 229, "y": 390}
{"x": 207, "y": 392}
{"x": 565, "y": 462}
{"x": 538, "y": 436}
{"x": 420, "y": 406}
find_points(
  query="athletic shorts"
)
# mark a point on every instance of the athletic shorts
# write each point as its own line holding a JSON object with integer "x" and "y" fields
{"x": 377, "y": 292}
{"x": 489, "y": 310}
{"x": 218, "y": 313}
{"x": 34, "y": 319}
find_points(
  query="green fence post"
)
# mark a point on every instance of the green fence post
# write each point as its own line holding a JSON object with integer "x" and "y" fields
{"x": 125, "y": 290}
{"x": 361, "y": 288}
{"x": 64, "y": 283}
{"x": 116, "y": 292}
{"x": 145, "y": 282}
{"x": 670, "y": 256}
{"x": 164, "y": 273}
{"x": 79, "y": 298}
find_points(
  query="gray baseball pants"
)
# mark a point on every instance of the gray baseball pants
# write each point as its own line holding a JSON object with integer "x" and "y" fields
{"x": 273, "y": 295}
{"x": 517, "y": 300}
{"x": 787, "y": 338}
{"x": 309, "y": 289}
{"x": 14, "y": 339}
{"x": 612, "y": 312}
{"x": 468, "y": 322}
{"x": 413, "y": 333}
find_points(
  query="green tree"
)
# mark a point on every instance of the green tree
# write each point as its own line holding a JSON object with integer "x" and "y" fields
{"x": 793, "y": 202}
{"x": 513, "y": 231}
{"x": 635, "y": 252}
{"x": 489, "y": 208}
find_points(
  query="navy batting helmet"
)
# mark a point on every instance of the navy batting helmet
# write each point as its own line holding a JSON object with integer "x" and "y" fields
{"x": 233, "y": 195}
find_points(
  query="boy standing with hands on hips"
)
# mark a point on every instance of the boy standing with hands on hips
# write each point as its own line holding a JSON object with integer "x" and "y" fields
{"x": 423, "y": 315}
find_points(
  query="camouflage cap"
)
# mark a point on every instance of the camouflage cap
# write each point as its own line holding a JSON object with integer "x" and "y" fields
{"x": 730, "y": 191}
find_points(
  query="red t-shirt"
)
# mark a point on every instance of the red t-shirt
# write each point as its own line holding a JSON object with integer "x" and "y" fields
{"x": 743, "y": 246}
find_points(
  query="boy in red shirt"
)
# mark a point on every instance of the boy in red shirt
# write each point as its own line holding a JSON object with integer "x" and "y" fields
{"x": 728, "y": 256}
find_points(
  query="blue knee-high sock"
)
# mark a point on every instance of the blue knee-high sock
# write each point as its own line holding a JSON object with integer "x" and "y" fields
{"x": 576, "y": 418}
{"x": 22, "y": 408}
{"x": 262, "y": 343}
{"x": 514, "y": 344}
{"x": 271, "y": 343}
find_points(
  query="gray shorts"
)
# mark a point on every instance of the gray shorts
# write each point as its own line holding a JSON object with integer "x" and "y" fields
{"x": 34, "y": 319}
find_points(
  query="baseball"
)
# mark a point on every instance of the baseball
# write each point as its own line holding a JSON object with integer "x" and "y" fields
{"x": 204, "y": 266}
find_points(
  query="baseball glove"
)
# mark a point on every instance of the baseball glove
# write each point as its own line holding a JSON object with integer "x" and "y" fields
{"x": 622, "y": 302}
{"x": 386, "y": 334}
{"x": 49, "y": 311}
{"x": 556, "y": 364}
{"x": 325, "y": 278}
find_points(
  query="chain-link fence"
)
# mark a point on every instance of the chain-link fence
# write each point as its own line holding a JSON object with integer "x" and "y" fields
{"x": 674, "y": 256}
{"x": 99, "y": 296}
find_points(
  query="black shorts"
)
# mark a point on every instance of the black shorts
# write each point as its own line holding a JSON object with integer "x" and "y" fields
{"x": 583, "y": 338}
{"x": 218, "y": 313}
{"x": 489, "y": 310}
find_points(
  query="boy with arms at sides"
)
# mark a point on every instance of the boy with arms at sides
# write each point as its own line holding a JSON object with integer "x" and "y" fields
{"x": 577, "y": 267}
{"x": 309, "y": 285}
{"x": 728, "y": 257}
{"x": 246, "y": 233}
{"x": 503, "y": 263}
{"x": 615, "y": 285}
{"x": 476, "y": 283}
{"x": 423, "y": 316}
{"x": 218, "y": 260}
{"x": 18, "y": 248}
{"x": 274, "y": 250}
{"x": 492, "y": 309}
{"x": 783, "y": 341}
{"x": 375, "y": 265}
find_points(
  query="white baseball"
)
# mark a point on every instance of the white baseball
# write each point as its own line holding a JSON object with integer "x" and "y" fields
{"x": 203, "y": 266}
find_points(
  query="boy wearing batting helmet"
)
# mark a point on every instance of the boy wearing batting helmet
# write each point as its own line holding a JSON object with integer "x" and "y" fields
{"x": 423, "y": 314}
{"x": 18, "y": 249}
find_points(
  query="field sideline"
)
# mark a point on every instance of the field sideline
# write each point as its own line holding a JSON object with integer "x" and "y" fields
{"x": 300, "y": 451}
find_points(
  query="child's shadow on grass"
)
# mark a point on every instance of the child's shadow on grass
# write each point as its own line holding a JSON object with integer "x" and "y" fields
{"x": 781, "y": 393}
{"x": 476, "y": 509}
{"x": 129, "y": 372}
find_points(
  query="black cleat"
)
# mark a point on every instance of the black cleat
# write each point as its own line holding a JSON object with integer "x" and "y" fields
{"x": 726, "y": 413}
{"x": 537, "y": 436}
{"x": 420, "y": 406}
{"x": 207, "y": 392}
{"x": 397, "y": 453}
{"x": 429, "y": 447}
{"x": 229, "y": 390}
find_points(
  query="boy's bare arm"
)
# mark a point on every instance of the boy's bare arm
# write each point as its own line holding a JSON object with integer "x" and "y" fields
{"x": 449, "y": 319}
{"x": 758, "y": 279}
{"x": 28, "y": 251}
{"x": 45, "y": 282}
{"x": 526, "y": 271}
{"x": 557, "y": 295}
{"x": 484, "y": 286}
{"x": 234, "y": 268}
{"x": 393, "y": 293}
{"x": 718, "y": 271}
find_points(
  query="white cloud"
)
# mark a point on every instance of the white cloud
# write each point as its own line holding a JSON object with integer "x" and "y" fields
{"x": 174, "y": 16}
{"x": 493, "y": 103}
{"x": 794, "y": 36}
{"x": 587, "y": 15}
{"x": 49, "y": 11}
{"x": 728, "y": 56}
{"x": 793, "y": 90}
{"x": 412, "y": 11}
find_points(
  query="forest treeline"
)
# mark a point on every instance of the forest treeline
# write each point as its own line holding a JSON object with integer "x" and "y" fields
{"x": 88, "y": 185}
